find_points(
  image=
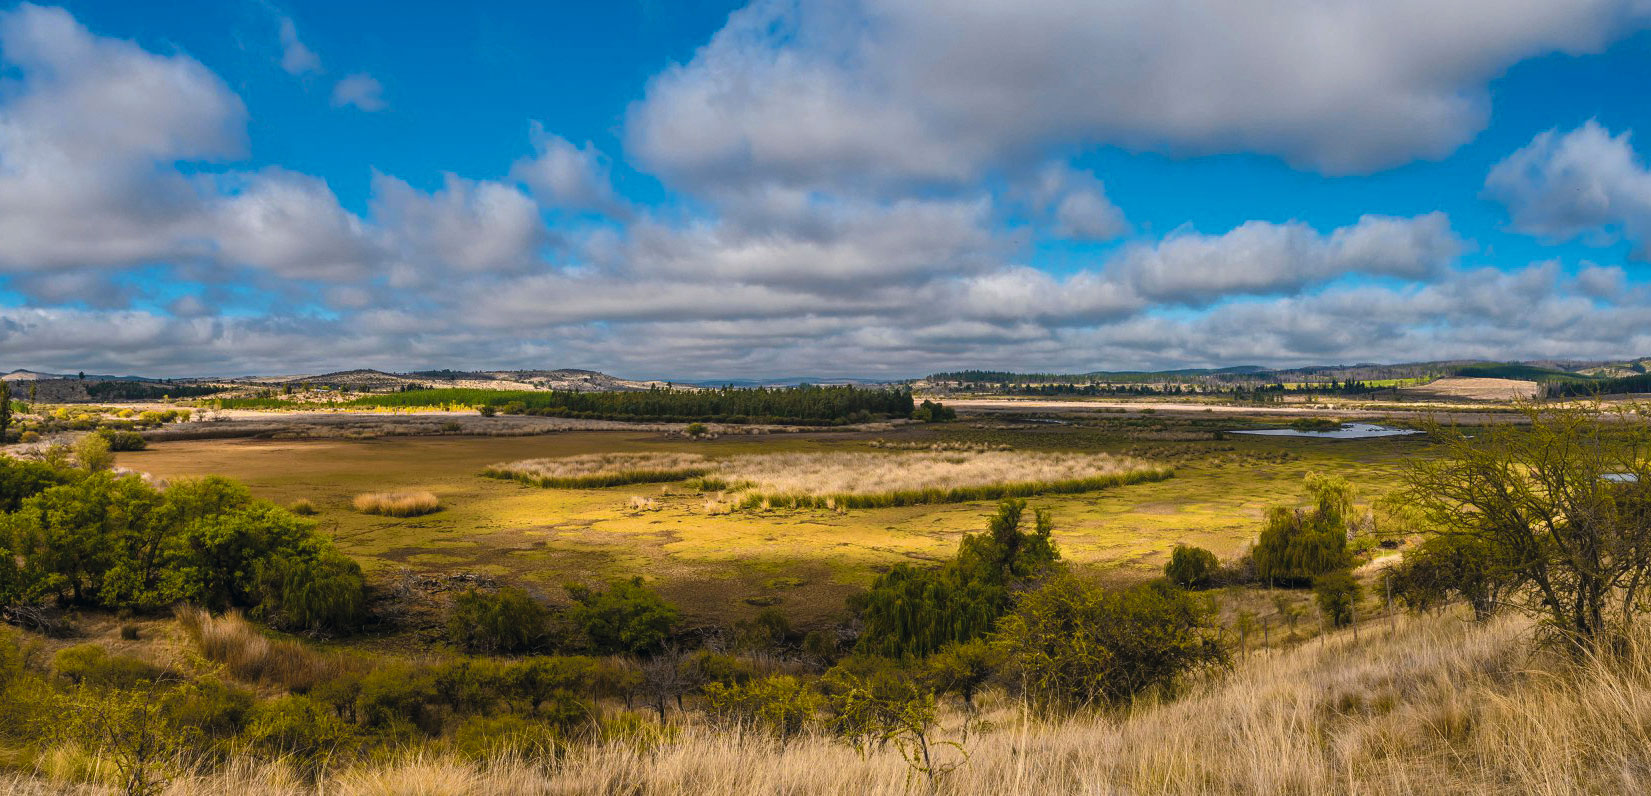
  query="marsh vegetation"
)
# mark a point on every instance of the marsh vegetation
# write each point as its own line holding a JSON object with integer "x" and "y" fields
{"x": 848, "y": 479}
{"x": 397, "y": 504}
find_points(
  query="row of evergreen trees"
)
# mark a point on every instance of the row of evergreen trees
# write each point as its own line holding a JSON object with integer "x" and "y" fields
{"x": 810, "y": 404}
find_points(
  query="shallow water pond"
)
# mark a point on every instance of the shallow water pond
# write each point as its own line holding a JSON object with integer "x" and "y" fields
{"x": 1347, "y": 431}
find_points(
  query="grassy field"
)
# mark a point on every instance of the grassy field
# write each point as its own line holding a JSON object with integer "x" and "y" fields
{"x": 720, "y": 566}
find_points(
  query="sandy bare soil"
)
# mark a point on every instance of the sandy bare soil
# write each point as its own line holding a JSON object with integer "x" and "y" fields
{"x": 1475, "y": 389}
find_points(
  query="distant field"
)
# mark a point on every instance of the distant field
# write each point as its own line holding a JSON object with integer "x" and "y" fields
{"x": 719, "y": 565}
{"x": 1477, "y": 389}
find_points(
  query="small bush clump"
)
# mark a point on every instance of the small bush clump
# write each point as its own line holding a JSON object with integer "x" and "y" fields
{"x": 508, "y": 620}
{"x": 397, "y": 504}
{"x": 1191, "y": 567}
{"x": 627, "y": 617}
{"x": 123, "y": 440}
{"x": 1073, "y": 644}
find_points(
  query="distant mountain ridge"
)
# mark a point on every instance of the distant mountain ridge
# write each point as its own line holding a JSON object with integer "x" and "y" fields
{"x": 1541, "y": 371}
{"x": 22, "y": 374}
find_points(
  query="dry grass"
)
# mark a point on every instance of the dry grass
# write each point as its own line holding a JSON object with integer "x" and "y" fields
{"x": 846, "y": 480}
{"x": 867, "y": 480}
{"x": 253, "y": 657}
{"x": 603, "y": 469}
{"x": 1429, "y": 705}
{"x": 397, "y": 504}
{"x": 1476, "y": 389}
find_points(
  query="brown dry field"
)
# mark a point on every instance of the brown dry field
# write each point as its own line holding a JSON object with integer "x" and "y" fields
{"x": 1475, "y": 389}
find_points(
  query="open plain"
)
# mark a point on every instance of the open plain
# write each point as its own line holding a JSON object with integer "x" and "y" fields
{"x": 720, "y": 561}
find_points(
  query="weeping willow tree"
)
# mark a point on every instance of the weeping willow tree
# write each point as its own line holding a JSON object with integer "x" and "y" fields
{"x": 1299, "y": 544}
{"x": 916, "y": 611}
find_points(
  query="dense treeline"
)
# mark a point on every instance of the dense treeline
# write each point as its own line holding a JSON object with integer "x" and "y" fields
{"x": 1521, "y": 372}
{"x": 84, "y": 536}
{"x": 807, "y": 404}
{"x": 143, "y": 391}
{"x": 812, "y": 405}
{"x": 1616, "y": 386}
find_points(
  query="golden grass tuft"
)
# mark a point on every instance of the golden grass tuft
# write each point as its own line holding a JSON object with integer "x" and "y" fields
{"x": 397, "y": 504}
{"x": 596, "y": 470}
{"x": 249, "y": 655}
{"x": 846, "y": 480}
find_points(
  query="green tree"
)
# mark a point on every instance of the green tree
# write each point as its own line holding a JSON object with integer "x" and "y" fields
{"x": 1073, "y": 644}
{"x": 315, "y": 589}
{"x": 92, "y": 538}
{"x": 625, "y": 617}
{"x": 963, "y": 668}
{"x": 1446, "y": 566}
{"x": 885, "y": 708}
{"x": 508, "y": 620}
{"x": 1297, "y": 545}
{"x": 92, "y": 452}
{"x": 916, "y": 611}
{"x": 1191, "y": 567}
{"x": 5, "y": 407}
{"x": 780, "y": 704}
{"x": 1337, "y": 594}
{"x": 129, "y": 728}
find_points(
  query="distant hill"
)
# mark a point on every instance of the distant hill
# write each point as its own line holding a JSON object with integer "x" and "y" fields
{"x": 788, "y": 381}
{"x": 29, "y": 375}
{"x": 370, "y": 380}
{"x": 1567, "y": 377}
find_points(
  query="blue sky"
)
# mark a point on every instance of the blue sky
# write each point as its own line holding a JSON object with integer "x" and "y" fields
{"x": 696, "y": 189}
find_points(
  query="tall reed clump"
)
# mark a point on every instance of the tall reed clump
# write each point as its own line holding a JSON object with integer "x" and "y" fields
{"x": 873, "y": 480}
{"x": 397, "y": 504}
{"x": 596, "y": 470}
{"x": 249, "y": 655}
